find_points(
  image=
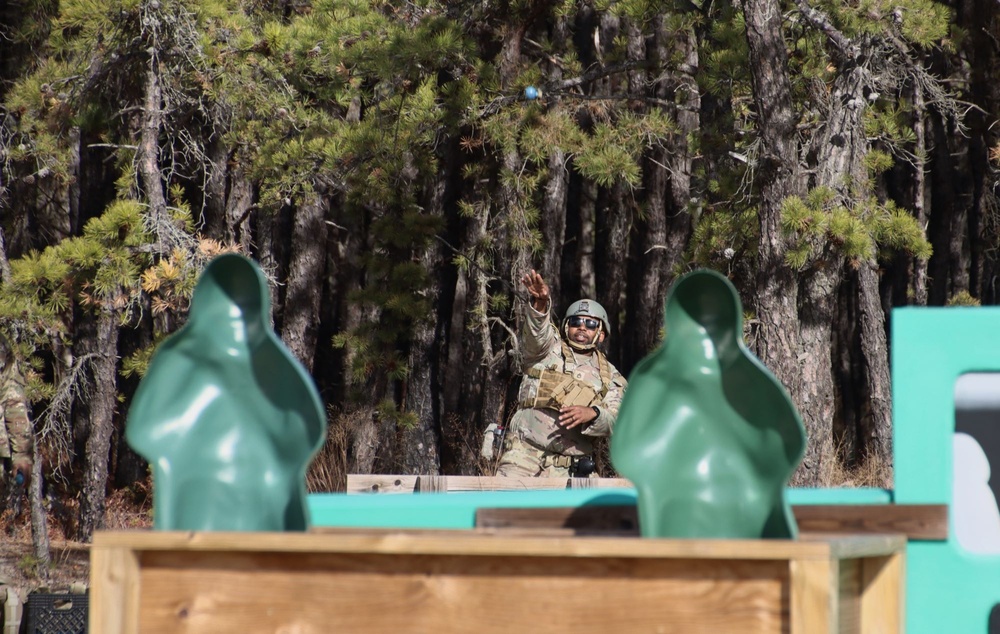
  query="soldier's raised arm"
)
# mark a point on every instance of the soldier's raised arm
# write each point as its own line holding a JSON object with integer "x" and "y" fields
{"x": 538, "y": 335}
{"x": 538, "y": 290}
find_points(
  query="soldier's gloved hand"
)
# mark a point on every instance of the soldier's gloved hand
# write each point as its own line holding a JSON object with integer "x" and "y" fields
{"x": 571, "y": 416}
{"x": 22, "y": 471}
{"x": 538, "y": 290}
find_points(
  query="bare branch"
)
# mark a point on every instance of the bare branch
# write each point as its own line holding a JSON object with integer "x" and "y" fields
{"x": 53, "y": 423}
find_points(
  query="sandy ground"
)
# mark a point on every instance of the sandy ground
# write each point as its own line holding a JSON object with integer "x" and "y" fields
{"x": 69, "y": 560}
{"x": 70, "y": 563}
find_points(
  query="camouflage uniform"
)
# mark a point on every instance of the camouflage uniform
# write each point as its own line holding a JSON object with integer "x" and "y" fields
{"x": 16, "y": 444}
{"x": 535, "y": 444}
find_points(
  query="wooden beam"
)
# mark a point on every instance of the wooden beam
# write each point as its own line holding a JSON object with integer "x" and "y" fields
{"x": 916, "y": 521}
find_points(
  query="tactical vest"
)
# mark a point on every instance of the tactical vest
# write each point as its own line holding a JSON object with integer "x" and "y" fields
{"x": 558, "y": 388}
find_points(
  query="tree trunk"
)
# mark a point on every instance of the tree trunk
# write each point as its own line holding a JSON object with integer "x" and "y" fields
{"x": 664, "y": 230}
{"x": 621, "y": 212}
{"x": 780, "y": 342}
{"x": 583, "y": 264}
{"x": 39, "y": 520}
{"x": 949, "y": 222}
{"x": 465, "y": 371}
{"x": 919, "y": 277}
{"x": 101, "y": 344}
{"x": 553, "y": 221}
{"x": 213, "y": 220}
{"x": 553, "y": 206}
{"x": 843, "y": 145}
{"x": 267, "y": 237}
{"x": 239, "y": 204}
{"x": 484, "y": 373}
{"x": 149, "y": 156}
{"x": 648, "y": 274}
{"x": 304, "y": 286}
{"x": 875, "y": 421}
{"x": 839, "y": 148}
{"x": 421, "y": 446}
{"x": 613, "y": 243}
{"x": 815, "y": 390}
{"x": 367, "y": 434}
{"x": 979, "y": 55}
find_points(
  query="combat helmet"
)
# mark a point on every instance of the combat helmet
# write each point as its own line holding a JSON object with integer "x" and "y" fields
{"x": 589, "y": 308}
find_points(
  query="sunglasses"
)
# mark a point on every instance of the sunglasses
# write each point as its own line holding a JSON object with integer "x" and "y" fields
{"x": 590, "y": 324}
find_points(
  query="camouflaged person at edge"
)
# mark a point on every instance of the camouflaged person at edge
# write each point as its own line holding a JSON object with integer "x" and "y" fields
{"x": 16, "y": 442}
{"x": 570, "y": 392}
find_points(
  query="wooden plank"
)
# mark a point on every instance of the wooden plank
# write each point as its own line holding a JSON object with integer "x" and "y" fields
{"x": 813, "y": 602}
{"x": 380, "y": 484}
{"x": 365, "y": 483}
{"x": 584, "y": 519}
{"x": 883, "y": 603}
{"x": 114, "y": 590}
{"x": 849, "y": 596}
{"x": 917, "y": 522}
{"x": 416, "y": 542}
{"x": 368, "y": 594}
{"x": 430, "y": 484}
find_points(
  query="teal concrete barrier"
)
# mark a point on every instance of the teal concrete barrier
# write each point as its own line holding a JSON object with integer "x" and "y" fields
{"x": 948, "y": 588}
{"x": 458, "y": 510}
{"x": 446, "y": 510}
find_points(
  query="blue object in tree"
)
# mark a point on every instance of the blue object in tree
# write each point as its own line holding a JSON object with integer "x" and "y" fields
{"x": 530, "y": 93}
{"x": 705, "y": 432}
{"x": 226, "y": 416}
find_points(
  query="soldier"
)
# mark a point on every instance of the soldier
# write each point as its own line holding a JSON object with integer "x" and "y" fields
{"x": 16, "y": 443}
{"x": 570, "y": 392}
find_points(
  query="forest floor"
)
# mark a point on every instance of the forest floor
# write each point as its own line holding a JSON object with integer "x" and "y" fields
{"x": 69, "y": 563}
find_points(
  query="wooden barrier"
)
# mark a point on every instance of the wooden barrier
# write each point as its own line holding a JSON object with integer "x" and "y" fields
{"x": 915, "y": 521}
{"x": 449, "y": 583}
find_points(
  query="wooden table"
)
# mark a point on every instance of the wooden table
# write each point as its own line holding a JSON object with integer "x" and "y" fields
{"x": 442, "y": 582}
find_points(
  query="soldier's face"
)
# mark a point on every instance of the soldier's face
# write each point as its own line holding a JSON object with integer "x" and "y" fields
{"x": 578, "y": 331}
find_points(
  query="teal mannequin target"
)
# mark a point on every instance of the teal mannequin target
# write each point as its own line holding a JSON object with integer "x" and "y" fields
{"x": 226, "y": 416}
{"x": 705, "y": 432}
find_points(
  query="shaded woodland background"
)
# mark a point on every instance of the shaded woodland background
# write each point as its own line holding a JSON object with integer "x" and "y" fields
{"x": 382, "y": 163}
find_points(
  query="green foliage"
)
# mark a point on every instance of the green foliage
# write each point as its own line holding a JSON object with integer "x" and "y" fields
{"x": 876, "y": 162}
{"x": 724, "y": 56}
{"x": 922, "y": 22}
{"x": 137, "y": 363}
{"x": 388, "y": 410}
{"x": 889, "y": 124}
{"x": 724, "y": 235}
{"x": 963, "y": 298}
{"x": 853, "y": 228}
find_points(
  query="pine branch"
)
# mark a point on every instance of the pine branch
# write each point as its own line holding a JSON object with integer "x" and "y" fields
{"x": 599, "y": 73}
{"x": 487, "y": 274}
{"x": 844, "y": 45}
{"x": 498, "y": 103}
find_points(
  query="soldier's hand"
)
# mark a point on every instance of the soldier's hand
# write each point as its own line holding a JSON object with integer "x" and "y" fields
{"x": 571, "y": 416}
{"x": 538, "y": 290}
{"x": 22, "y": 471}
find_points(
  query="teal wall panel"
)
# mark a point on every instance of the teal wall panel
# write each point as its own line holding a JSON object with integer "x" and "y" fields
{"x": 948, "y": 588}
